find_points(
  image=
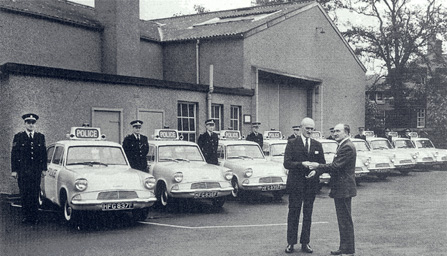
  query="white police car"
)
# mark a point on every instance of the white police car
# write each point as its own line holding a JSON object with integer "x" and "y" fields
{"x": 181, "y": 171}
{"x": 424, "y": 159}
{"x": 87, "y": 173}
{"x": 251, "y": 170}
{"x": 426, "y": 145}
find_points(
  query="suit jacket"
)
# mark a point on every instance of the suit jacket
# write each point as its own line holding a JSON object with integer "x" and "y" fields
{"x": 29, "y": 156}
{"x": 208, "y": 144}
{"x": 342, "y": 171}
{"x": 256, "y": 138}
{"x": 136, "y": 151}
{"x": 294, "y": 155}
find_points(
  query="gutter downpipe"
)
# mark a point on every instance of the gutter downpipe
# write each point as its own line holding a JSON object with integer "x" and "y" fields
{"x": 210, "y": 92}
{"x": 197, "y": 62}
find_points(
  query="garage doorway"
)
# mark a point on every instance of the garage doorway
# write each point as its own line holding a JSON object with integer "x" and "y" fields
{"x": 152, "y": 119}
{"x": 110, "y": 122}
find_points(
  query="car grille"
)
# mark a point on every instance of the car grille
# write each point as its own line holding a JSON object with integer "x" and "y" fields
{"x": 383, "y": 165}
{"x": 430, "y": 159}
{"x": 444, "y": 158}
{"x": 205, "y": 185}
{"x": 113, "y": 195}
{"x": 405, "y": 162}
{"x": 270, "y": 179}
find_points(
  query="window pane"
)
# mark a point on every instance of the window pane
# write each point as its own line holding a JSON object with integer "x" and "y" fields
{"x": 184, "y": 110}
{"x": 185, "y": 124}
{"x": 191, "y": 110}
{"x": 192, "y": 126}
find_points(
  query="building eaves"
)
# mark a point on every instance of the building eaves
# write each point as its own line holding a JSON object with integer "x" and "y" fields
{"x": 56, "y": 10}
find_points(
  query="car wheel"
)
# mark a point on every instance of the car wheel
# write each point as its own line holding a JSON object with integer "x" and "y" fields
{"x": 236, "y": 189}
{"x": 219, "y": 202}
{"x": 140, "y": 214}
{"x": 70, "y": 215}
{"x": 43, "y": 202}
{"x": 163, "y": 196}
{"x": 277, "y": 195}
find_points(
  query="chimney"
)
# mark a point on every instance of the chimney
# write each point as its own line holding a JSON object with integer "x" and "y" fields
{"x": 121, "y": 36}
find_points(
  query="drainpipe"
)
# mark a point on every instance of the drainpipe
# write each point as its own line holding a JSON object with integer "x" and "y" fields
{"x": 257, "y": 95}
{"x": 197, "y": 62}
{"x": 210, "y": 92}
{"x": 321, "y": 107}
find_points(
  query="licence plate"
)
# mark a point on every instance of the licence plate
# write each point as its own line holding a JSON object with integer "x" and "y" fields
{"x": 271, "y": 187}
{"x": 116, "y": 206}
{"x": 207, "y": 194}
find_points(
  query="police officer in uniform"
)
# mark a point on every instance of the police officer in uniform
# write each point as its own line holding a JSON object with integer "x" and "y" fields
{"x": 136, "y": 147}
{"x": 255, "y": 135}
{"x": 208, "y": 142}
{"x": 331, "y": 137}
{"x": 296, "y": 132}
{"x": 28, "y": 160}
{"x": 361, "y": 134}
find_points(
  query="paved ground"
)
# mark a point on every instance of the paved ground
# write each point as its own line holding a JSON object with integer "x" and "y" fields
{"x": 403, "y": 215}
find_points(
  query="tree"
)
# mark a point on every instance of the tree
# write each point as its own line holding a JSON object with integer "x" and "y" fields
{"x": 402, "y": 34}
{"x": 200, "y": 9}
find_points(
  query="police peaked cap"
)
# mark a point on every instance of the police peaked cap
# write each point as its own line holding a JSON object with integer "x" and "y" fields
{"x": 256, "y": 124}
{"x": 296, "y": 127}
{"x": 136, "y": 122}
{"x": 209, "y": 122}
{"x": 30, "y": 116}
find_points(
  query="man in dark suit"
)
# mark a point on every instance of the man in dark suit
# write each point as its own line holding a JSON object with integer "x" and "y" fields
{"x": 136, "y": 147}
{"x": 296, "y": 132}
{"x": 28, "y": 160}
{"x": 301, "y": 191}
{"x": 343, "y": 187}
{"x": 208, "y": 142}
{"x": 361, "y": 134}
{"x": 255, "y": 135}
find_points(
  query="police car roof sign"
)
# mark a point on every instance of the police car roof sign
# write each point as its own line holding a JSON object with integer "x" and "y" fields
{"x": 82, "y": 133}
{"x": 272, "y": 135}
{"x": 230, "y": 134}
{"x": 166, "y": 134}
{"x": 315, "y": 135}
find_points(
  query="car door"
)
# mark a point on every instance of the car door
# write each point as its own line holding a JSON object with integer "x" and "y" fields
{"x": 54, "y": 170}
{"x": 151, "y": 159}
{"x": 45, "y": 174}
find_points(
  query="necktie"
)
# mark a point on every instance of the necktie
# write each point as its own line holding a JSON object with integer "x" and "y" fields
{"x": 307, "y": 145}
{"x": 30, "y": 135}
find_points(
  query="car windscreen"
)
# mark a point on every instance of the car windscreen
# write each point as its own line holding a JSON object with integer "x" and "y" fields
{"x": 329, "y": 147}
{"x": 424, "y": 144}
{"x": 277, "y": 149}
{"x": 380, "y": 144}
{"x": 360, "y": 145}
{"x": 244, "y": 151}
{"x": 92, "y": 155}
{"x": 403, "y": 144}
{"x": 179, "y": 153}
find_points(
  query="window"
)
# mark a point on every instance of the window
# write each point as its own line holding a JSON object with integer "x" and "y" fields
{"x": 58, "y": 155}
{"x": 151, "y": 153}
{"x": 235, "y": 118}
{"x": 186, "y": 120}
{"x": 217, "y": 116}
{"x": 420, "y": 118}
{"x": 50, "y": 154}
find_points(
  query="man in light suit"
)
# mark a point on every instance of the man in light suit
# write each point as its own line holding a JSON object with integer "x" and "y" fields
{"x": 343, "y": 187}
{"x": 301, "y": 191}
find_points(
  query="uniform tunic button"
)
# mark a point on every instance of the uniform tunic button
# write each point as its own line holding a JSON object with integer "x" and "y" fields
{"x": 32, "y": 158}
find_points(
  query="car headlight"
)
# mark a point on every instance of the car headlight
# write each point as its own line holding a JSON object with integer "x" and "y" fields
{"x": 415, "y": 156}
{"x": 367, "y": 161}
{"x": 178, "y": 177}
{"x": 228, "y": 175}
{"x": 81, "y": 184}
{"x": 248, "y": 172}
{"x": 149, "y": 182}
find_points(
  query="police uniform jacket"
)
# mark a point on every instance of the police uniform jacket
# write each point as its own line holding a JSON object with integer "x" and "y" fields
{"x": 342, "y": 171}
{"x": 208, "y": 144}
{"x": 294, "y": 155}
{"x": 293, "y": 136}
{"x": 136, "y": 151}
{"x": 29, "y": 155}
{"x": 256, "y": 138}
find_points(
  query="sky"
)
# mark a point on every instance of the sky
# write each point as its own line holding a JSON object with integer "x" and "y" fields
{"x": 154, "y": 9}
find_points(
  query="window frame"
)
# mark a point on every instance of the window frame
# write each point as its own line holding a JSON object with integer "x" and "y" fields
{"x": 188, "y": 135}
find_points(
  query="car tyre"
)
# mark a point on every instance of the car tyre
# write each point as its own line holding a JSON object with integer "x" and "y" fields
{"x": 219, "y": 202}
{"x": 236, "y": 192}
{"x": 140, "y": 214}
{"x": 405, "y": 173}
{"x": 71, "y": 215}
{"x": 162, "y": 196}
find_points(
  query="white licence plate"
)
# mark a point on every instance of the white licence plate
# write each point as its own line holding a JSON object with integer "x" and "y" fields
{"x": 271, "y": 187}
{"x": 207, "y": 194}
{"x": 116, "y": 206}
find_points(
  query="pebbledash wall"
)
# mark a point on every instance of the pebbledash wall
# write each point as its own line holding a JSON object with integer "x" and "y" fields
{"x": 66, "y": 98}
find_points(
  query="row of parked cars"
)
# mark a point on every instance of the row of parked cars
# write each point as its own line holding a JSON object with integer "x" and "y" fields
{"x": 87, "y": 173}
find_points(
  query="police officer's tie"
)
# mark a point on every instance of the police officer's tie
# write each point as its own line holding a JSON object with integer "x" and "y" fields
{"x": 307, "y": 145}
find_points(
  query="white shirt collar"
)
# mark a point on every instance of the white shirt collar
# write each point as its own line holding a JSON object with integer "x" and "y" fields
{"x": 304, "y": 140}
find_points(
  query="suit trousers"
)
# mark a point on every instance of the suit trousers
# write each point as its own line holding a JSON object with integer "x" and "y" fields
{"x": 29, "y": 187}
{"x": 298, "y": 200}
{"x": 345, "y": 224}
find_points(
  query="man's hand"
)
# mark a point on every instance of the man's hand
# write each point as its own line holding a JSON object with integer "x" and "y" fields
{"x": 306, "y": 164}
{"x": 14, "y": 175}
{"x": 313, "y": 165}
{"x": 311, "y": 174}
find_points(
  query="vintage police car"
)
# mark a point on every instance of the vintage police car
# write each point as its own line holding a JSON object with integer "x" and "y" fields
{"x": 251, "y": 170}
{"x": 87, "y": 173}
{"x": 181, "y": 171}
{"x": 425, "y": 145}
{"x": 403, "y": 161}
{"x": 274, "y": 146}
{"x": 377, "y": 164}
{"x": 424, "y": 158}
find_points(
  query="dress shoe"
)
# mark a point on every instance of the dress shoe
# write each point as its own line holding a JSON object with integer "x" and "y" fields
{"x": 289, "y": 248}
{"x": 337, "y": 252}
{"x": 306, "y": 248}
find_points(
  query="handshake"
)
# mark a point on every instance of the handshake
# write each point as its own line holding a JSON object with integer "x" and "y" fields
{"x": 312, "y": 166}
